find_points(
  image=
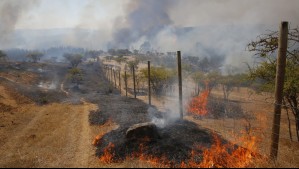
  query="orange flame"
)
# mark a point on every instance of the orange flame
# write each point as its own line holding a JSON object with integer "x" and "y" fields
{"x": 219, "y": 155}
{"x": 150, "y": 159}
{"x": 108, "y": 155}
{"x": 198, "y": 104}
{"x": 97, "y": 139}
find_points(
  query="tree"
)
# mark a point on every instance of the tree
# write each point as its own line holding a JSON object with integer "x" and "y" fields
{"x": 120, "y": 59}
{"x": 206, "y": 80}
{"x": 199, "y": 79}
{"x": 228, "y": 83}
{"x": 35, "y": 56}
{"x": 74, "y": 59}
{"x": 93, "y": 54}
{"x": 76, "y": 76}
{"x": 212, "y": 79}
{"x": 265, "y": 48}
{"x": 161, "y": 78}
{"x": 133, "y": 63}
{"x": 2, "y": 56}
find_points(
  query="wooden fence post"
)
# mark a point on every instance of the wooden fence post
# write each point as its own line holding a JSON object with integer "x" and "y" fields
{"x": 119, "y": 81}
{"x": 180, "y": 83}
{"x": 126, "y": 83}
{"x": 111, "y": 75}
{"x": 280, "y": 72}
{"x": 114, "y": 72}
{"x": 134, "y": 80}
{"x": 149, "y": 82}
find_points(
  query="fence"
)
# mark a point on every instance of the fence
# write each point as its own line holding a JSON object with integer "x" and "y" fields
{"x": 255, "y": 121}
{"x": 243, "y": 113}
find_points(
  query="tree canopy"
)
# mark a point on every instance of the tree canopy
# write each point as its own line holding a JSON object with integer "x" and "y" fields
{"x": 74, "y": 58}
{"x": 2, "y": 55}
{"x": 160, "y": 78}
{"x": 265, "y": 48}
{"x": 35, "y": 56}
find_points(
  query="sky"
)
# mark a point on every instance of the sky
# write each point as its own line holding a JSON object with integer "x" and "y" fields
{"x": 219, "y": 27}
{"x": 45, "y": 14}
{"x": 49, "y": 14}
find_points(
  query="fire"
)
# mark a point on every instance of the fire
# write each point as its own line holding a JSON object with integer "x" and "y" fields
{"x": 97, "y": 140}
{"x": 150, "y": 159}
{"x": 198, "y": 104}
{"x": 108, "y": 155}
{"x": 219, "y": 155}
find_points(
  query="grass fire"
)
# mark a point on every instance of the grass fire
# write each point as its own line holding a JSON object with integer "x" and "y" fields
{"x": 149, "y": 84}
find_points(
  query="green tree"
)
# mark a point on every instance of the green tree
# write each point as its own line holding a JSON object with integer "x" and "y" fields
{"x": 76, "y": 76}
{"x": 199, "y": 79}
{"x": 265, "y": 48}
{"x": 2, "y": 56}
{"x": 74, "y": 59}
{"x": 212, "y": 79}
{"x": 228, "y": 83}
{"x": 161, "y": 78}
{"x": 35, "y": 56}
{"x": 93, "y": 54}
{"x": 132, "y": 63}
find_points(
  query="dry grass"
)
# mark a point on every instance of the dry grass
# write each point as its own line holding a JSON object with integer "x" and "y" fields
{"x": 54, "y": 135}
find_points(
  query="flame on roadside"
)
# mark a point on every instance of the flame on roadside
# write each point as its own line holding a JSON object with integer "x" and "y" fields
{"x": 198, "y": 104}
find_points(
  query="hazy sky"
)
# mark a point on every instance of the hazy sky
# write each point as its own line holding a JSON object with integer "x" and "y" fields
{"x": 47, "y": 14}
{"x": 221, "y": 28}
{"x": 92, "y": 13}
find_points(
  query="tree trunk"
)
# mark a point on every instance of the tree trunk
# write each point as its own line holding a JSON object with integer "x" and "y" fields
{"x": 295, "y": 110}
{"x": 289, "y": 121}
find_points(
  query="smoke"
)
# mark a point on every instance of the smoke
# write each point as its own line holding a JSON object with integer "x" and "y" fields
{"x": 10, "y": 12}
{"x": 200, "y": 28}
{"x": 142, "y": 19}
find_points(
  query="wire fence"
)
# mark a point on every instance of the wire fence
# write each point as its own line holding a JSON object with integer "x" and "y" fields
{"x": 243, "y": 113}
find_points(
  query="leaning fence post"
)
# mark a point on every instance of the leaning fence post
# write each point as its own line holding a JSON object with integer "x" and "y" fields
{"x": 180, "y": 83}
{"x": 280, "y": 72}
{"x": 149, "y": 82}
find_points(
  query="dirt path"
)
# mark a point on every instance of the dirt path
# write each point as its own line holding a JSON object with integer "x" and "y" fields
{"x": 54, "y": 135}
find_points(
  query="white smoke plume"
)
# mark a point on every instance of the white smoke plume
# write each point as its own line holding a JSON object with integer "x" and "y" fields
{"x": 10, "y": 12}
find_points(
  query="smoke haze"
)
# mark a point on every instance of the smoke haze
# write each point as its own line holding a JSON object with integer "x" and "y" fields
{"x": 203, "y": 28}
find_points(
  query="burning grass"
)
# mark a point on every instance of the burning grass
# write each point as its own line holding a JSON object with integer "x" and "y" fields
{"x": 198, "y": 105}
{"x": 181, "y": 145}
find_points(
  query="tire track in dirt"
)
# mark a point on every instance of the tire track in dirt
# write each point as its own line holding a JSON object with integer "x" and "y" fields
{"x": 58, "y": 135}
{"x": 85, "y": 150}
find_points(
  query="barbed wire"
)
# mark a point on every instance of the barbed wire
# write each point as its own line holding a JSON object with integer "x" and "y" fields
{"x": 264, "y": 131}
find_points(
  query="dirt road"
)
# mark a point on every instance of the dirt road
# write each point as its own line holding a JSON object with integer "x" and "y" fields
{"x": 53, "y": 135}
